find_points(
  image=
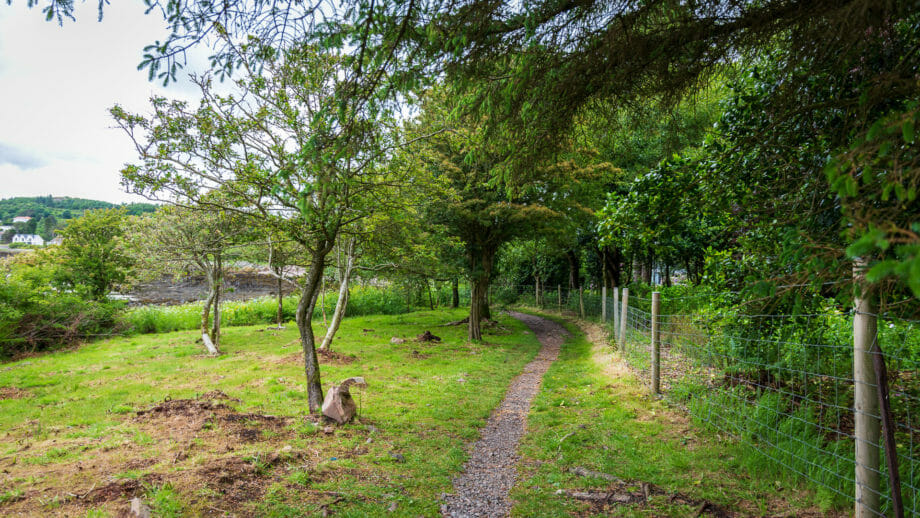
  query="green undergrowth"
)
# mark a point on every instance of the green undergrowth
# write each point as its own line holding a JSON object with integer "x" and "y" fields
{"x": 363, "y": 301}
{"x": 593, "y": 413}
{"x": 69, "y": 419}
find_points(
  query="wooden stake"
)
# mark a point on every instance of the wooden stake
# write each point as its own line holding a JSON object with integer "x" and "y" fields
{"x": 624, "y": 317}
{"x": 656, "y": 344}
{"x": 865, "y": 402}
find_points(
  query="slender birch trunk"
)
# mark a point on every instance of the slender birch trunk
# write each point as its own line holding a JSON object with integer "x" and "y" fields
{"x": 342, "y": 302}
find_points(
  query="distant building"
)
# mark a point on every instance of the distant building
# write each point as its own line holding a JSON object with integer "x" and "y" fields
{"x": 29, "y": 239}
{"x": 22, "y": 219}
{"x": 4, "y": 228}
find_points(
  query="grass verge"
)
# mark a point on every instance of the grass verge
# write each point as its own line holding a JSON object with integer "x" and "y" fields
{"x": 599, "y": 445}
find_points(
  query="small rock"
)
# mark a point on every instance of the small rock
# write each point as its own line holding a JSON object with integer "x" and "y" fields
{"x": 398, "y": 457}
{"x": 444, "y": 509}
{"x": 338, "y": 404}
{"x": 328, "y": 430}
{"x": 371, "y": 428}
{"x": 139, "y": 509}
{"x": 392, "y": 507}
{"x": 397, "y": 341}
{"x": 287, "y": 449}
{"x": 368, "y": 441}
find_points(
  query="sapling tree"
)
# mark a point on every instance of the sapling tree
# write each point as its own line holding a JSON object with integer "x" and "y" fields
{"x": 291, "y": 147}
{"x": 179, "y": 237}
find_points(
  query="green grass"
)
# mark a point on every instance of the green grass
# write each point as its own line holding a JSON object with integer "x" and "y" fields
{"x": 76, "y": 427}
{"x": 606, "y": 422}
{"x": 363, "y": 301}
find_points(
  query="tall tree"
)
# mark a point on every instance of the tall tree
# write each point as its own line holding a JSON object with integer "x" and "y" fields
{"x": 292, "y": 148}
{"x": 93, "y": 252}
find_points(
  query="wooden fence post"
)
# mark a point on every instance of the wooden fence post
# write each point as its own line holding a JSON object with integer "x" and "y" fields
{"x": 624, "y": 314}
{"x": 559, "y": 295}
{"x": 604, "y": 304}
{"x": 616, "y": 308}
{"x": 581, "y": 302}
{"x": 656, "y": 343}
{"x": 865, "y": 403}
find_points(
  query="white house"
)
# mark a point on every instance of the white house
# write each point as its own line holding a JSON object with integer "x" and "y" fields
{"x": 4, "y": 228}
{"x": 29, "y": 239}
{"x": 22, "y": 219}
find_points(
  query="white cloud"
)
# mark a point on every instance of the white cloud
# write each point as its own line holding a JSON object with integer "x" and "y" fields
{"x": 56, "y": 86}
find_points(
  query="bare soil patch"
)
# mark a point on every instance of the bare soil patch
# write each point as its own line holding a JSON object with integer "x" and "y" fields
{"x": 332, "y": 357}
{"x": 14, "y": 393}
{"x": 189, "y": 443}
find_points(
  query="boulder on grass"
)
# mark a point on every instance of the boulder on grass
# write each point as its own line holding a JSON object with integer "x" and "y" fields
{"x": 338, "y": 404}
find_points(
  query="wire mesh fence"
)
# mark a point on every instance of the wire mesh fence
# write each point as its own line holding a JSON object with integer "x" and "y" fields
{"x": 789, "y": 386}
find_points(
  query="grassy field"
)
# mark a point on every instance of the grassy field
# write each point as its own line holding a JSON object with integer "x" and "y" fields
{"x": 84, "y": 431}
{"x": 224, "y": 434}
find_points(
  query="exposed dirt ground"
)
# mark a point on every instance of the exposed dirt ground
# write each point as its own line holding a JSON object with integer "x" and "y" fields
{"x": 209, "y": 454}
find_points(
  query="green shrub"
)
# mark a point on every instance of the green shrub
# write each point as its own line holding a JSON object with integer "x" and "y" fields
{"x": 33, "y": 319}
{"x": 263, "y": 310}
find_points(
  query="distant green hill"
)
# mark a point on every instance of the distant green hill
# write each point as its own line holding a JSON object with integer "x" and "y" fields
{"x": 49, "y": 213}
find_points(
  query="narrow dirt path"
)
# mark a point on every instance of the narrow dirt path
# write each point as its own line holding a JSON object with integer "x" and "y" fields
{"x": 482, "y": 489}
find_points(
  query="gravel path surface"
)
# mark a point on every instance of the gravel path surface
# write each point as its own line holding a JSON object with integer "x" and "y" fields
{"x": 482, "y": 489}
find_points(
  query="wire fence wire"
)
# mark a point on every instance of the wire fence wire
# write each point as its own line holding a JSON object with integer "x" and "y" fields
{"x": 781, "y": 384}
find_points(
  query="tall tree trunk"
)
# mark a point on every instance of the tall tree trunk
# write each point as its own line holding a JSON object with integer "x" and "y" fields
{"x": 455, "y": 293}
{"x": 647, "y": 264}
{"x": 574, "y": 277}
{"x": 667, "y": 275}
{"x": 481, "y": 263}
{"x": 430, "y": 301}
{"x": 305, "y": 308}
{"x": 486, "y": 302}
{"x": 342, "y": 302}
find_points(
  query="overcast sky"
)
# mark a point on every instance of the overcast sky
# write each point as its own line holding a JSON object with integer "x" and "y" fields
{"x": 56, "y": 85}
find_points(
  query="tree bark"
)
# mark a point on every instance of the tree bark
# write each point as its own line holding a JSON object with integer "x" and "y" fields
{"x": 305, "y": 308}
{"x": 455, "y": 293}
{"x": 280, "y": 317}
{"x": 667, "y": 275}
{"x": 342, "y": 302}
{"x": 612, "y": 266}
{"x": 218, "y": 284}
{"x": 207, "y": 331}
{"x": 574, "y": 277}
{"x": 647, "y": 269}
{"x": 481, "y": 263}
